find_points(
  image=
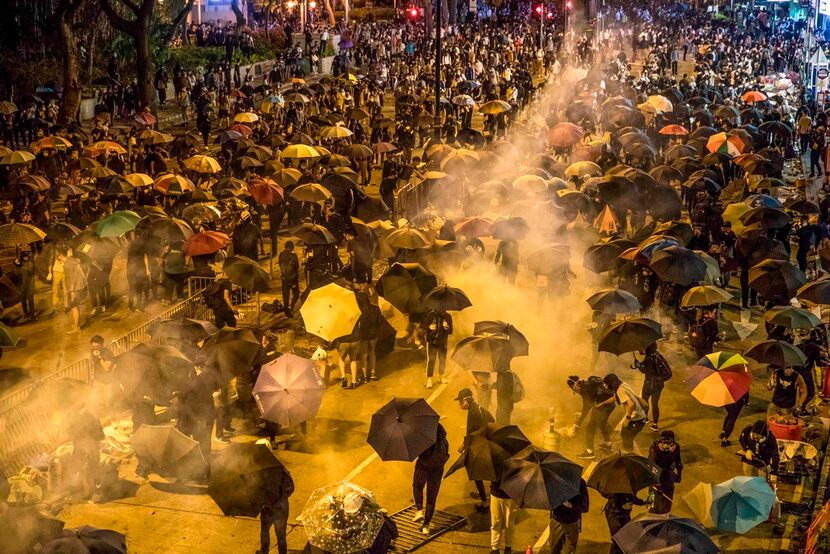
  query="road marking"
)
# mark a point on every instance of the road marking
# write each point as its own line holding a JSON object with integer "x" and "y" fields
{"x": 374, "y": 455}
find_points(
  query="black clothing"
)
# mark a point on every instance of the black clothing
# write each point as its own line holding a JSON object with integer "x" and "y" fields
{"x": 579, "y": 505}
{"x": 764, "y": 450}
{"x": 667, "y": 458}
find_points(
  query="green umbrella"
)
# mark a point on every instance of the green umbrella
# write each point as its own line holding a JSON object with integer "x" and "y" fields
{"x": 117, "y": 224}
{"x": 792, "y": 318}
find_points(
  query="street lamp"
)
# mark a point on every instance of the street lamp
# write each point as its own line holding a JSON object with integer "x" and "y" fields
{"x": 437, "y": 119}
{"x": 540, "y": 10}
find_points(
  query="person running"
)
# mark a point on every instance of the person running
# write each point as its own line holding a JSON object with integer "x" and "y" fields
{"x": 598, "y": 402}
{"x": 437, "y": 327}
{"x": 657, "y": 371}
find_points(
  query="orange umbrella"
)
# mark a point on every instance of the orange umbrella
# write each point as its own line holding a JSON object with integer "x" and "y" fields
{"x": 753, "y": 96}
{"x": 170, "y": 183}
{"x": 565, "y": 134}
{"x": 674, "y": 130}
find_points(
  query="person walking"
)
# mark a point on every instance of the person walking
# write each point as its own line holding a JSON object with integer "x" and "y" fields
{"x": 804, "y": 125}
{"x": 437, "y": 327}
{"x": 25, "y": 265}
{"x": 75, "y": 283}
{"x": 732, "y": 412}
{"x": 275, "y": 513}
{"x": 509, "y": 390}
{"x": 502, "y": 512}
{"x": 759, "y": 454}
{"x": 635, "y": 414}
{"x": 429, "y": 469}
{"x": 665, "y": 453}
{"x": 477, "y": 417}
{"x": 289, "y": 277}
{"x": 816, "y": 151}
{"x": 657, "y": 371}
{"x": 566, "y": 522}
{"x": 598, "y": 403}
{"x": 217, "y": 297}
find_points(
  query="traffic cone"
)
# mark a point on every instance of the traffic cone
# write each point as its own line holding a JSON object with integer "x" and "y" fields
{"x": 529, "y": 550}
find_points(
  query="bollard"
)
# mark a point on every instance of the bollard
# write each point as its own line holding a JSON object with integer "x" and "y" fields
{"x": 551, "y": 437}
{"x": 529, "y": 550}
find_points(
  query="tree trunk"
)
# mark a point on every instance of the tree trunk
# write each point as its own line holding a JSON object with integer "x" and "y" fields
{"x": 429, "y": 17}
{"x": 330, "y": 12}
{"x": 240, "y": 17}
{"x": 144, "y": 69}
{"x": 176, "y": 27}
{"x": 71, "y": 98}
{"x": 452, "y": 6}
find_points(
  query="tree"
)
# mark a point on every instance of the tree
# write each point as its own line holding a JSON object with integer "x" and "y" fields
{"x": 330, "y": 12}
{"x": 63, "y": 21}
{"x": 178, "y": 20}
{"x": 135, "y": 23}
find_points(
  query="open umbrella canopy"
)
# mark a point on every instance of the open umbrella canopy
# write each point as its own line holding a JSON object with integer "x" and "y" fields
{"x": 16, "y": 234}
{"x": 565, "y": 134}
{"x": 289, "y": 390}
{"x": 184, "y": 329}
{"x": 602, "y": 256}
{"x": 24, "y": 527}
{"x": 311, "y": 233}
{"x": 614, "y": 301}
{"x": 445, "y": 298}
{"x": 629, "y": 335}
{"x": 87, "y": 540}
{"x": 152, "y": 370}
{"x": 168, "y": 451}
{"x": 247, "y": 274}
{"x": 342, "y": 518}
{"x": 242, "y": 478}
{"x": 487, "y": 450}
{"x": 741, "y": 503}
{"x": 540, "y": 479}
{"x": 310, "y": 192}
{"x": 776, "y": 353}
{"x": 776, "y": 279}
{"x": 406, "y": 237}
{"x": 231, "y": 351}
{"x": 404, "y": 284}
{"x": 206, "y": 242}
{"x": 623, "y": 473}
{"x": 203, "y": 164}
{"x": 117, "y": 224}
{"x": 330, "y": 312}
{"x": 403, "y": 429}
{"x": 699, "y": 501}
{"x": 266, "y": 191}
{"x": 792, "y": 318}
{"x": 816, "y": 292}
{"x": 512, "y": 228}
{"x": 718, "y": 387}
{"x": 474, "y": 227}
{"x": 486, "y": 352}
{"x": 704, "y": 295}
{"x": 517, "y": 339}
{"x": 656, "y": 532}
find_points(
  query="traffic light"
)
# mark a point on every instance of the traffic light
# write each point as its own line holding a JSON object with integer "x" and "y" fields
{"x": 539, "y": 9}
{"x": 413, "y": 12}
{"x": 312, "y": 4}
{"x": 569, "y": 4}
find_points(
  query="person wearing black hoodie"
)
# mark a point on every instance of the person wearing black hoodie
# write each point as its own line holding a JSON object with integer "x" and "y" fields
{"x": 429, "y": 469}
{"x": 566, "y": 522}
{"x": 760, "y": 449}
{"x": 275, "y": 513}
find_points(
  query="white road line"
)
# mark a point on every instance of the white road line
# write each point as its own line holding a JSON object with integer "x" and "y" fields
{"x": 374, "y": 456}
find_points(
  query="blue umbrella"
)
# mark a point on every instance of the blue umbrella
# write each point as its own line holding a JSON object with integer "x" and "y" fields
{"x": 741, "y": 503}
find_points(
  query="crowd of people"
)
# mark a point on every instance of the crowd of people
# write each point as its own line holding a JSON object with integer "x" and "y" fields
{"x": 676, "y": 171}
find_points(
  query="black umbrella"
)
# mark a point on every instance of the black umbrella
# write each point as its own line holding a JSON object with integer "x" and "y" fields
{"x": 168, "y": 451}
{"x": 517, "y": 340}
{"x": 487, "y": 449}
{"x": 62, "y": 231}
{"x": 404, "y": 284}
{"x": 24, "y": 527}
{"x": 540, "y": 479}
{"x": 247, "y": 274}
{"x": 776, "y": 353}
{"x": 445, "y": 298}
{"x": 487, "y": 352}
{"x": 154, "y": 371}
{"x": 403, "y": 429}
{"x": 658, "y": 532}
{"x": 231, "y": 351}
{"x": 614, "y": 301}
{"x": 183, "y": 328}
{"x": 87, "y": 539}
{"x": 624, "y": 474}
{"x": 776, "y": 279}
{"x": 311, "y": 233}
{"x": 600, "y": 257}
{"x": 770, "y": 218}
{"x": 817, "y": 292}
{"x": 675, "y": 264}
{"x": 242, "y": 477}
{"x": 513, "y": 228}
{"x": 629, "y": 335}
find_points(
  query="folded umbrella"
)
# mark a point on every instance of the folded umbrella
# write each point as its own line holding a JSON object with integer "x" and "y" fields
{"x": 487, "y": 449}
{"x": 487, "y": 352}
{"x": 614, "y": 301}
{"x": 168, "y": 451}
{"x": 289, "y": 390}
{"x": 403, "y": 429}
{"x": 776, "y": 353}
{"x": 342, "y": 518}
{"x": 629, "y": 336}
{"x": 404, "y": 284}
{"x": 330, "y": 312}
{"x": 242, "y": 476}
{"x": 741, "y": 503}
{"x": 517, "y": 339}
{"x": 445, "y": 298}
{"x": 231, "y": 351}
{"x": 623, "y": 473}
{"x": 247, "y": 274}
{"x": 540, "y": 479}
{"x": 657, "y": 532}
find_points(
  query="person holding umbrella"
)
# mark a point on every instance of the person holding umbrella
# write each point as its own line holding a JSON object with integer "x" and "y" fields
{"x": 437, "y": 327}
{"x": 429, "y": 469}
{"x": 275, "y": 513}
{"x": 657, "y": 371}
{"x": 617, "y": 512}
{"x": 665, "y": 453}
{"x": 704, "y": 334}
{"x": 597, "y": 401}
{"x": 566, "y": 522}
{"x": 635, "y": 415}
{"x": 477, "y": 417}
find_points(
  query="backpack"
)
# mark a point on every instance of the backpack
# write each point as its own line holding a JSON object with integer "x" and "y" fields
{"x": 662, "y": 366}
{"x": 697, "y": 338}
{"x": 518, "y": 389}
{"x": 437, "y": 454}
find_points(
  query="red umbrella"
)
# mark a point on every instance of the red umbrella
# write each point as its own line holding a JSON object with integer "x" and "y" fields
{"x": 674, "y": 130}
{"x": 206, "y": 242}
{"x": 564, "y": 134}
{"x": 145, "y": 118}
{"x": 243, "y": 130}
{"x": 474, "y": 227}
{"x": 266, "y": 191}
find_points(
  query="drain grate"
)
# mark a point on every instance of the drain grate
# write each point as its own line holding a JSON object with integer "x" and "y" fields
{"x": 410, "y": 537}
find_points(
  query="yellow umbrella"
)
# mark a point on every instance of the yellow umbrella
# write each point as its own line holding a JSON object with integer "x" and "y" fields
{"x": 434, "y": 175}
{"x": 606, "y": 222}
{"x": 107, "y": 146}
{"x": 335, "y": 132}
{"x": 246, "y": 117}
{"x": 583, "y": 169}
{"x": 660, "y": 102}
{"x": 54, "y": 142}
{"x": 699, "y": 500}
{"x": 530, "y": 183}
{"x": 330, "y": 312}
{"x": 299, "y": 151}
{"x": 396, "y": 318}
{"x": 18, "y": 157}
{"x": 734, "y": 211}
{"x": 495, "y": 107}
{"x": 139, "y": 179}
{"x": 439, "y": 151}
{"x": 202, "y": 164}
{"x": 287, "y": 177}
